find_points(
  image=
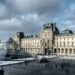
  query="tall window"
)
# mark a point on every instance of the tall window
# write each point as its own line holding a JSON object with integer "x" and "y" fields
{"x": 55, "y": 51}
{"x": 64, "y": 38}
{"x": 70, "y": 51}
{"x": 57, "y": 43}
{"x": 64, "y": 43}
{"x": 58, "y": 50}
{"x": 60, "y": 43}
{"x": 72, "y": 43}
{"x": 66, "y": 51}
{"x": 68, "y": 43}
{"x": 74, "y": 51}
{"x": 62, "y": 50}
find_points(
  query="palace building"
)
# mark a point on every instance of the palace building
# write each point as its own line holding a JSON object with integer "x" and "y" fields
{"x": 49, "y": 41}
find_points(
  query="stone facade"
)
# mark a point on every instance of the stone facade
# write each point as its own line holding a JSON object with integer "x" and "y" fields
{"x": 64, "y": 45}
{"x": 49, "y": 41}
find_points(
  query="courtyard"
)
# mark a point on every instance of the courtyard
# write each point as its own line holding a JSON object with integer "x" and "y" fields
{"x": 55, "y": 66}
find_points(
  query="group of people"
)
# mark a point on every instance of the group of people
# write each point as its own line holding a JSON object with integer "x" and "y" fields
{"x": 63, "y": 66}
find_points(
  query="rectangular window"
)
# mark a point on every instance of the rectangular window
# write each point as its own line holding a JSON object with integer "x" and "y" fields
{"x": 72, "y": 43}
{"x": 68, "y": 43}
{"x": 60, "y": 43}
{"x": 57, "y": 43}
{"x": 64, "y": 43}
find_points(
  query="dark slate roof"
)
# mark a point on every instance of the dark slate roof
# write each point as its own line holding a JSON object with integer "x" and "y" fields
{"x": 67, "y": 32}
{"x": 56, "y": 29}
{"x": 47, "y": 26}
{"x": 20, "y": 34}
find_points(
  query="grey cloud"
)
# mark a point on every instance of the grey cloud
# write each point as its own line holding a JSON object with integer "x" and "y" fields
{"x": 40, "y": 6}
{"x": 4, "y": 11}
{"x": 5, "y": 34}
{"x": 45, "y": 9}
{"x": 69, "y": 18}
{"x": 15, "y": 24}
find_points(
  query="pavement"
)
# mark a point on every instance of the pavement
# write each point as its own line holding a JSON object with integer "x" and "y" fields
{"x": 36, "y": 68}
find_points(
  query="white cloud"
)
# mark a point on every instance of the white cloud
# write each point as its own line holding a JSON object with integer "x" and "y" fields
{"x": 33, "y": 16}
{"x": 10, "y": 22}
{"x": 29, "y": 17}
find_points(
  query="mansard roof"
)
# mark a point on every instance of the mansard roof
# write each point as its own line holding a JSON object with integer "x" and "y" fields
{"x": 67, "y": 32}
{"x": 20, "y": 34}
{"x": 47, "y": 26}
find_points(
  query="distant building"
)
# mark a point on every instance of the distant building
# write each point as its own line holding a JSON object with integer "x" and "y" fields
{"x": 48, "y": 41}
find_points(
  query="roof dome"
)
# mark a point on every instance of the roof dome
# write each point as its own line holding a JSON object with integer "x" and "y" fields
{"x": 20, "y": 34}
{"x": 67, "y": 32}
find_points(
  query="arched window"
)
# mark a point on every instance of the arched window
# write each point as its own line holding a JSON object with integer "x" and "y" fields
{"x": 55, "y": 51}
{"x": 70, "y": 51}
{"x": 74, "y": 51}
{"x": 58, "y": 50}
{"x": 62, "y": 50}
{"x": 66, "y": 51}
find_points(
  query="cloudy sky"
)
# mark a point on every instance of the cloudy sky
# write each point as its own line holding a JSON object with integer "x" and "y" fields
{"x": 29, "y": 15}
